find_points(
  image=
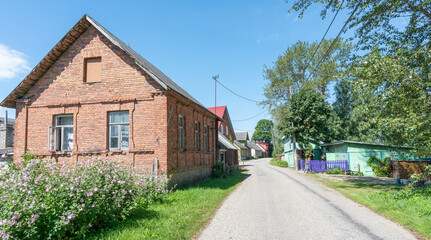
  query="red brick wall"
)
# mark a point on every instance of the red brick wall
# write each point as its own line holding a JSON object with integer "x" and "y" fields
{"x": 189, "y": 158}
{"x": 124, "y": 86}
{"x": 224, "y": 124}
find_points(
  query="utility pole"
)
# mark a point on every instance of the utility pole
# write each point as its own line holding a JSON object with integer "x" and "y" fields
{"x": 215, "y": 93}
{"x": 293, "y": 137}
{"x": 216, "y": 121}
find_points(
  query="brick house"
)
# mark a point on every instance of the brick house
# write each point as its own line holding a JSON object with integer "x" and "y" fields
{"x": 92, "y": 95}
{"x": 228, "y": 152}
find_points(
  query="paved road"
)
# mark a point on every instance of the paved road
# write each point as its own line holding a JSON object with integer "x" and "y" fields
{"x": 278, "y": 203}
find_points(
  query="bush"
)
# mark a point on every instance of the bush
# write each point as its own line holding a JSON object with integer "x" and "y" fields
{"x": 381, "y": 168}
{"x": 45, "y": 200}
{"x": 334, "y": 171}
{"x": 219, "y": 170}
{"x": 275, "y": 162}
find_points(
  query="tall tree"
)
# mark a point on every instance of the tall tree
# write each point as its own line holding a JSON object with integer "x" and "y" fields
{"x": 400, "y": 89}
{"x": 389, "y": 24}
{"x": 297, "y": 68}
{"x": 312, "y": 117}
{"x": 262, "y": 131}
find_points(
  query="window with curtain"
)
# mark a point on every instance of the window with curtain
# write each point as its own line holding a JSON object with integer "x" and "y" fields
{"x": 119, "y": 130}
{"x": 62, "y": 133}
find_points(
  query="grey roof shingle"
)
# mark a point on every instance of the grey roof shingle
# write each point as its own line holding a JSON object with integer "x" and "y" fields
{"x": 254, "y": 146}
{"x": 225, "y": 143}
{"x": 79, "y": 28}
{"x": 241, "y": 135}
{"x": 240, "y": 144}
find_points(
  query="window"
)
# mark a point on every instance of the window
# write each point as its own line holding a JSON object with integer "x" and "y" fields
{"x": 197, "y": 136}
{"x": 92, "y": 69}
{"x": 206, "y": 138}
{"x": 119, "y": 130}
{"x": 221, "y": 129}
{"x": 181, "y": 132}
{"x": 62, "y": 133}
{"x": 227, "y": 130}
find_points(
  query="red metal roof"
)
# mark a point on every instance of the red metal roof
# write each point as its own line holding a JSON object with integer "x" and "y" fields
{"x": 220, "y": 110}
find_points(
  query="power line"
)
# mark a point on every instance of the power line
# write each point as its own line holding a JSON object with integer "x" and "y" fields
{"x": 248, "y": 99}
{"x": 242, "y": 120}
{"x": 335, "y": 40}
{"x": 327, "y": 30}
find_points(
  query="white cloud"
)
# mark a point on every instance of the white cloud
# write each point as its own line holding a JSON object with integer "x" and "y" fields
{"x": 12, "y": 63}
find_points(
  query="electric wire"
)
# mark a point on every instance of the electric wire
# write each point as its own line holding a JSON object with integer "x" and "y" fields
{"x": 251, "y": 100}
{"x": 335, "y": 40}
{"x": 327, "y": 30}
{"x": 242, "y": 120}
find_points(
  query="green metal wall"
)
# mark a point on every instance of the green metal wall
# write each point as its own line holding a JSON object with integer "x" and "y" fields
{"x": 358, "y": 155}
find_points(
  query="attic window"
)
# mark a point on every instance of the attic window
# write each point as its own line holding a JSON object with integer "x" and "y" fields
{"x": 92, "y": 69}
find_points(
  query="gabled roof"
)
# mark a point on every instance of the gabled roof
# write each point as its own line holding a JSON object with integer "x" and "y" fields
{"x": 80, "y": 27}
{"x": 364, "y": 143}
{"x": 225, "y": 143}
{"x": 242, "y": 135}
{"x": 220, "y": 111}
{"x": 254, "y": 146}
{"x": 240, "y": 145}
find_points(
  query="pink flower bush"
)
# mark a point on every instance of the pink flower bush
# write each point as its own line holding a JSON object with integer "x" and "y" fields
{"x": 41, "y": 199}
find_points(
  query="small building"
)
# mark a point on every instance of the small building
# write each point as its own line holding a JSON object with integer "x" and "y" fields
{"x": 7, "y": 132}
{"x": 242, "y": 150}
{"x": 358, "y": 153}
{"x": 300, "y": 154}
{"x": 256, "y": 150}
{"x": 242, "y": 137}
{"x": 228, "y": 153}
{"x": 92, "y": 95}
{"x": 225, "y": 127}
{"x": 225, "y": 131}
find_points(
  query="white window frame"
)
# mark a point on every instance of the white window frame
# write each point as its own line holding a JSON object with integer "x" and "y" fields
{"x": 227, "y": 130}
{"x": 120, "y": 133}
{"x": 206, "y": 149}
{"x": 221, "y": 128}
{"x": 181, "y": 142}
{"x": 197, "y": 137}
{"x": 57, "y": 132}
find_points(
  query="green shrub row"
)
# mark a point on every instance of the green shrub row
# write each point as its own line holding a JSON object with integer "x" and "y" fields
{"x": 279, "y": 163}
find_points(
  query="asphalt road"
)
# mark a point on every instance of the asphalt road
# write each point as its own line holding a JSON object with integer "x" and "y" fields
{"x": 279, "y": 203}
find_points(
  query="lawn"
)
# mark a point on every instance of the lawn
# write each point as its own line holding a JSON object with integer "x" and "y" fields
{"x": 410, "y": 207}
{"x": 180, "y": 216}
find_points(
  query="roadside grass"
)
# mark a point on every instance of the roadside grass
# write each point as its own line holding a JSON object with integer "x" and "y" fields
{"x": 406, "y": 205}
{"x": 278, "y": 163}
{"x": 180, "y": 216}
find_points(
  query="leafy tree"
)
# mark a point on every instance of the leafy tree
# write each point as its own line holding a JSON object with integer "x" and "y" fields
{"x": 400, "y": 93}
{"x": 292, "y": 70}
{"x": 312, "y": 117}
{"x": 380, "y": 23}
{"x": 263, "y": 131}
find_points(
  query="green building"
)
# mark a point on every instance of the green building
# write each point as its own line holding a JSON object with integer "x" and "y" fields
{"x": 357, "y": 153}
{"x": 288, "y": 151}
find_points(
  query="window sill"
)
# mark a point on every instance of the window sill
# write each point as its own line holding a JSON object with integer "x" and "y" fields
{"x": 90, "y": 83}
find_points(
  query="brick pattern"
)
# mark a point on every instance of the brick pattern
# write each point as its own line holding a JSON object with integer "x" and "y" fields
{"x": 404, "y": 169}
{"x": 123, "y": 86}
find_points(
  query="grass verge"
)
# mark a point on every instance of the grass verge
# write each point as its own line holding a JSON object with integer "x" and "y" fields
{"x": 180, "y": 216}
{"x": 278, "y": 163}
{"x": 408, "y": 206}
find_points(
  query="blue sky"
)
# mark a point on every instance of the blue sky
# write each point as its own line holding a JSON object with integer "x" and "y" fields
{"x": 190, "y": 41}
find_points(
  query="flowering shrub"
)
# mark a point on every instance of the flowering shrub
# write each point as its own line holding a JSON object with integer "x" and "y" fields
{"x": 381, "y": 168}
{"x": 40, "y": 199}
